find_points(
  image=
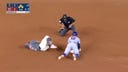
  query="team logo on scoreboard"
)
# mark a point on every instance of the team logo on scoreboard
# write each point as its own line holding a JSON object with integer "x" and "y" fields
{"x": 18, "y": 8}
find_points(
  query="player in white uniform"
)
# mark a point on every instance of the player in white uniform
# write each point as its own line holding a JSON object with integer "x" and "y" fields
{"x": 73, "y": 46}
{"x": 44, "y": 45}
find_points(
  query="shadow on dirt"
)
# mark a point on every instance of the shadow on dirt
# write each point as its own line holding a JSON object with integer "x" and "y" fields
{"x": 60, "y": 49}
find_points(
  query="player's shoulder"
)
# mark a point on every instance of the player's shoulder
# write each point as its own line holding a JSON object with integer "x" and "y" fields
{"x": 61, "y": 18}
{"x": 69, "y": 17}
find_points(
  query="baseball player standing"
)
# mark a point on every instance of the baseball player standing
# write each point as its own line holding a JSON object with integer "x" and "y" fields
{"x": 73, "y": 45}
{"x": 66, "y": 24}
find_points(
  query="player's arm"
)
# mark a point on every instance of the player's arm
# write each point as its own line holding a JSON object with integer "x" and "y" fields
{"x": 78, "y": 44}
{"x": 61, "y": 25}
{"x": 72, "y": 22}
{"x": 60, "y": 21}
{"x": 71, "y": 19}
{"x": 71, "y": 25}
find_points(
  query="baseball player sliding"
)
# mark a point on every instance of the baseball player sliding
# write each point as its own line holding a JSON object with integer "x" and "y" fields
{"x": 73, "y": 46}
{"x": 44, "y": 45}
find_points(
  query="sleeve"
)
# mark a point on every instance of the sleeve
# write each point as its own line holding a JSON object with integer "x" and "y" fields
{"x": 72, "y": 20}
{"x": 78, "y": 43}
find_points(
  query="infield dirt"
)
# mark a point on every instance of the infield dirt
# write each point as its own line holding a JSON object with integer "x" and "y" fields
{"x": 102, "y": 26}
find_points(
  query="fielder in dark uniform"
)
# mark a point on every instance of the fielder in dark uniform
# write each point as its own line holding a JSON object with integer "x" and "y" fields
{"x": 66, "y": 24}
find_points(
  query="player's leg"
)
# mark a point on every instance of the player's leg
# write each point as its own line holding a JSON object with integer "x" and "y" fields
{"x": 34, "y": 45}
{"x": 66, "y": 52}
{"x": 62, "y": 32}
{"x": 43, "y": 44}
{"x": 73, "y": 28}
{"x": 76, "y": 53}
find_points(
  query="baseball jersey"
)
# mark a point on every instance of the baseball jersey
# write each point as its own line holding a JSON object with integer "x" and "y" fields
{"x": 74, "y": 40}
{"x": 67, "y": 22}
{"x": 34, "y": 45}
{"x": 72, "y": 45}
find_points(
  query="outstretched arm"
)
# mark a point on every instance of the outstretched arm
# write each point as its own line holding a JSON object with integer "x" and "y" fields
{"x": 61, "y": 26}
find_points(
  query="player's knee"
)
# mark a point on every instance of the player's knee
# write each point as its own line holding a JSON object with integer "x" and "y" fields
{"x": 60, "y": 30}
{"x": 62, "y": 34}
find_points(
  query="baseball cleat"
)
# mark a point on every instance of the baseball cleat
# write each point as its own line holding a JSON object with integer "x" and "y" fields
{"x": 74, "y": 59}
{"x": 53, "y": 46}
{"x": 60, "y": 57}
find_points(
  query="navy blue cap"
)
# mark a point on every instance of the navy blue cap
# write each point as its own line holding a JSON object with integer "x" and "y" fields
{"x": 74, "y": 33}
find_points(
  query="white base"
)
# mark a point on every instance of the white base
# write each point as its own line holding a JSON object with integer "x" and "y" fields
{"x": 53, "y": 46}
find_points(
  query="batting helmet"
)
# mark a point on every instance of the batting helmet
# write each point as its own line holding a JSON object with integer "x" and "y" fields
{"x": 74, "y": 33}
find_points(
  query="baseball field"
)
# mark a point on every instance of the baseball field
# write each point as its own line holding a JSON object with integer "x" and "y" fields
{"x": 102, "y": 26}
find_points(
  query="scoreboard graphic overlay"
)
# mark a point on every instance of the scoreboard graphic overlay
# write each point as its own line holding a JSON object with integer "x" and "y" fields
{"x": 13, "y": 8}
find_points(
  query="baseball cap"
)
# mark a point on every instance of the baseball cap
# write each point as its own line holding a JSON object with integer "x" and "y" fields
{"x": 74, "y": 33}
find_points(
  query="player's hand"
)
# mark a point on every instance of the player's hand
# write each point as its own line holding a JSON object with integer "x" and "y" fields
{"x": 80, "y": 49}
{"x": 70, "y": 25}
{"x": 60, "y": 22}
{"x": 61, "y": 26}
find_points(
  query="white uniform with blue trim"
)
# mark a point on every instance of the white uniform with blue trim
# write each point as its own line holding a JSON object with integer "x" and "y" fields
{"x": 72, "y": 45}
